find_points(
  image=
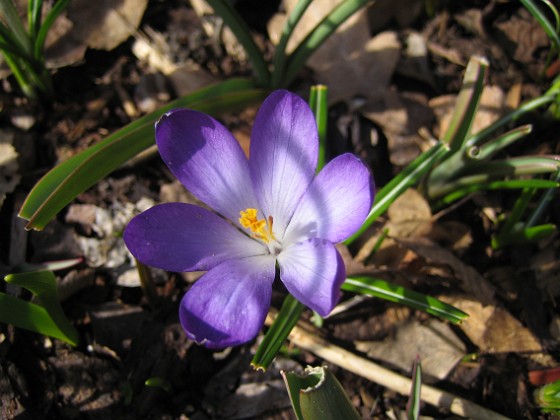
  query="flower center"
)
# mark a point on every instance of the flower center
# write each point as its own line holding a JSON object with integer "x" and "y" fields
{"x": 262, "y": 229}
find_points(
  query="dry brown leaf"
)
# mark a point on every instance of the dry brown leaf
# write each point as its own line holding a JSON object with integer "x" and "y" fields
{"x": 349, "y": 62}
{"x": 435, "y": 255}
{"x": 409, "y": 216}
{"x": 493, "y": 329}
{"x": 401, "y": 115}
{"x": 434, "y": 341}
{"x": 102, "y": 24}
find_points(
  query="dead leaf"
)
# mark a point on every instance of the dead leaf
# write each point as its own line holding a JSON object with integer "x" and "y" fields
{"x": 350, "y": 62}
{"x": 493, "y": 329}
{"x": 434, "y": 341}
{"x": 401, "y": 115}
{"x": 434, "y": 255}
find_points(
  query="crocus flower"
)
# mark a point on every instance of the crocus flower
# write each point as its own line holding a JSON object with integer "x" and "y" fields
{"x": 272, "y": 216}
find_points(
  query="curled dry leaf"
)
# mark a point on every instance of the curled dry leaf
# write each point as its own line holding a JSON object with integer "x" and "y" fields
{"x": 493, "y": 329}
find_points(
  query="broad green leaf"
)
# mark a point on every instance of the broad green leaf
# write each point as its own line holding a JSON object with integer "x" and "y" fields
{"x": 73, "y": 176}
{"x": 42, "y": 284}
{"x": 31, "y": 317}
{"x": 398, "y": 294}
{"x": 317, "y": 395}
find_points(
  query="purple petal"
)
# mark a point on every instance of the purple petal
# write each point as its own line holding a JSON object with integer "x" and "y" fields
{"x": 185, "y": 237}
{"x": 206, "y": 158}
{"x": 313, "y": 272}
{"x": 227, "y": 306}
{"x": 336, "y": 204}
{"x": 283, "y": 155}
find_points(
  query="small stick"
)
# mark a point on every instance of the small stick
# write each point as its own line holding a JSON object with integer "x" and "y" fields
{"x": 306, "y": 338}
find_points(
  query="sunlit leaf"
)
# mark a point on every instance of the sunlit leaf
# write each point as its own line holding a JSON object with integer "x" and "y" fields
{"x": 399, "y": 294}
{"x": 73, "y": 176}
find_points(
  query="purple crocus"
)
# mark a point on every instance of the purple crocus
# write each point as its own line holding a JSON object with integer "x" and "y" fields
{"x": 271, "y": 216}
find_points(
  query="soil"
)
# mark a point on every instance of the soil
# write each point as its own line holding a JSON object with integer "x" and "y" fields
{"x": 128, "y": 336}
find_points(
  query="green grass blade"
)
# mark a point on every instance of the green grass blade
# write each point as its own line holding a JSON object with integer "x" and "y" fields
{"x": 277, "y": 333}
{"x": 318, "y": 104}
{"x": 10, "y": 16}
{"x": 34, "y": 17}
{"x": 398, "y": 294}
{"x": 73, "y": 176}
{"x": 318, "y": 35}
{"x": 549, "y": 29}
{"x": 413, "y": 404}
{"x": 489, "y": 149}
{"x": 43, "y": 286}
{"x": 224, "y": 9}
{"x": 57, "y": 9}
{"x": 524, "y": 235}
{"x": 29, "y": 316}
{"x": 408, "y": 177}
{"x": 544, "y": 202}
{"x": 483, "y": 135}
{"x": 467, "y": 103}
{"x": 280, "y": 51}
{"x": 465, "y": 186}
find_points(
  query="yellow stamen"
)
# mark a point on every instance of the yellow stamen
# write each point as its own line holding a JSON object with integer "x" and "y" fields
{"x": 260, "y": 228}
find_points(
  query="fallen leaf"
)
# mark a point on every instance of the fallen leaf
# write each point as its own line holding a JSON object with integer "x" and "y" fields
{"x": 435, "y": 255}
{"x": 434, "y": 342}
{"x": 493, "y": 329}
{"x": 350, "y": 62}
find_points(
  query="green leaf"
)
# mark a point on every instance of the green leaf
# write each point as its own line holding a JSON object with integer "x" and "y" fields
{"x": 159, "y": 382}
{"x": 523, "y": 235}
{"x": 318, "y": 104}
{"x": 56, "y": 10}
{"x": 398, "y": 294}
{"x": 463, "y": 116}
{"x": 468, "y": 185}
{"x": 413, "y": 404}
{"x": 467, "y": 103}
{"x": 280, "y": 50}
{"x": 42, "y": 284}
{"x": 317, "y": 395}
{"x": 550, "y": 30}
{"x": 73, "y": 176}
{"x": 278, "y": 332}
{"x": 31, "y": 317}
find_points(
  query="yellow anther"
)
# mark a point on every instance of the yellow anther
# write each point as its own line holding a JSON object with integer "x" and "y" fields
{"x": 260, "y": 228}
